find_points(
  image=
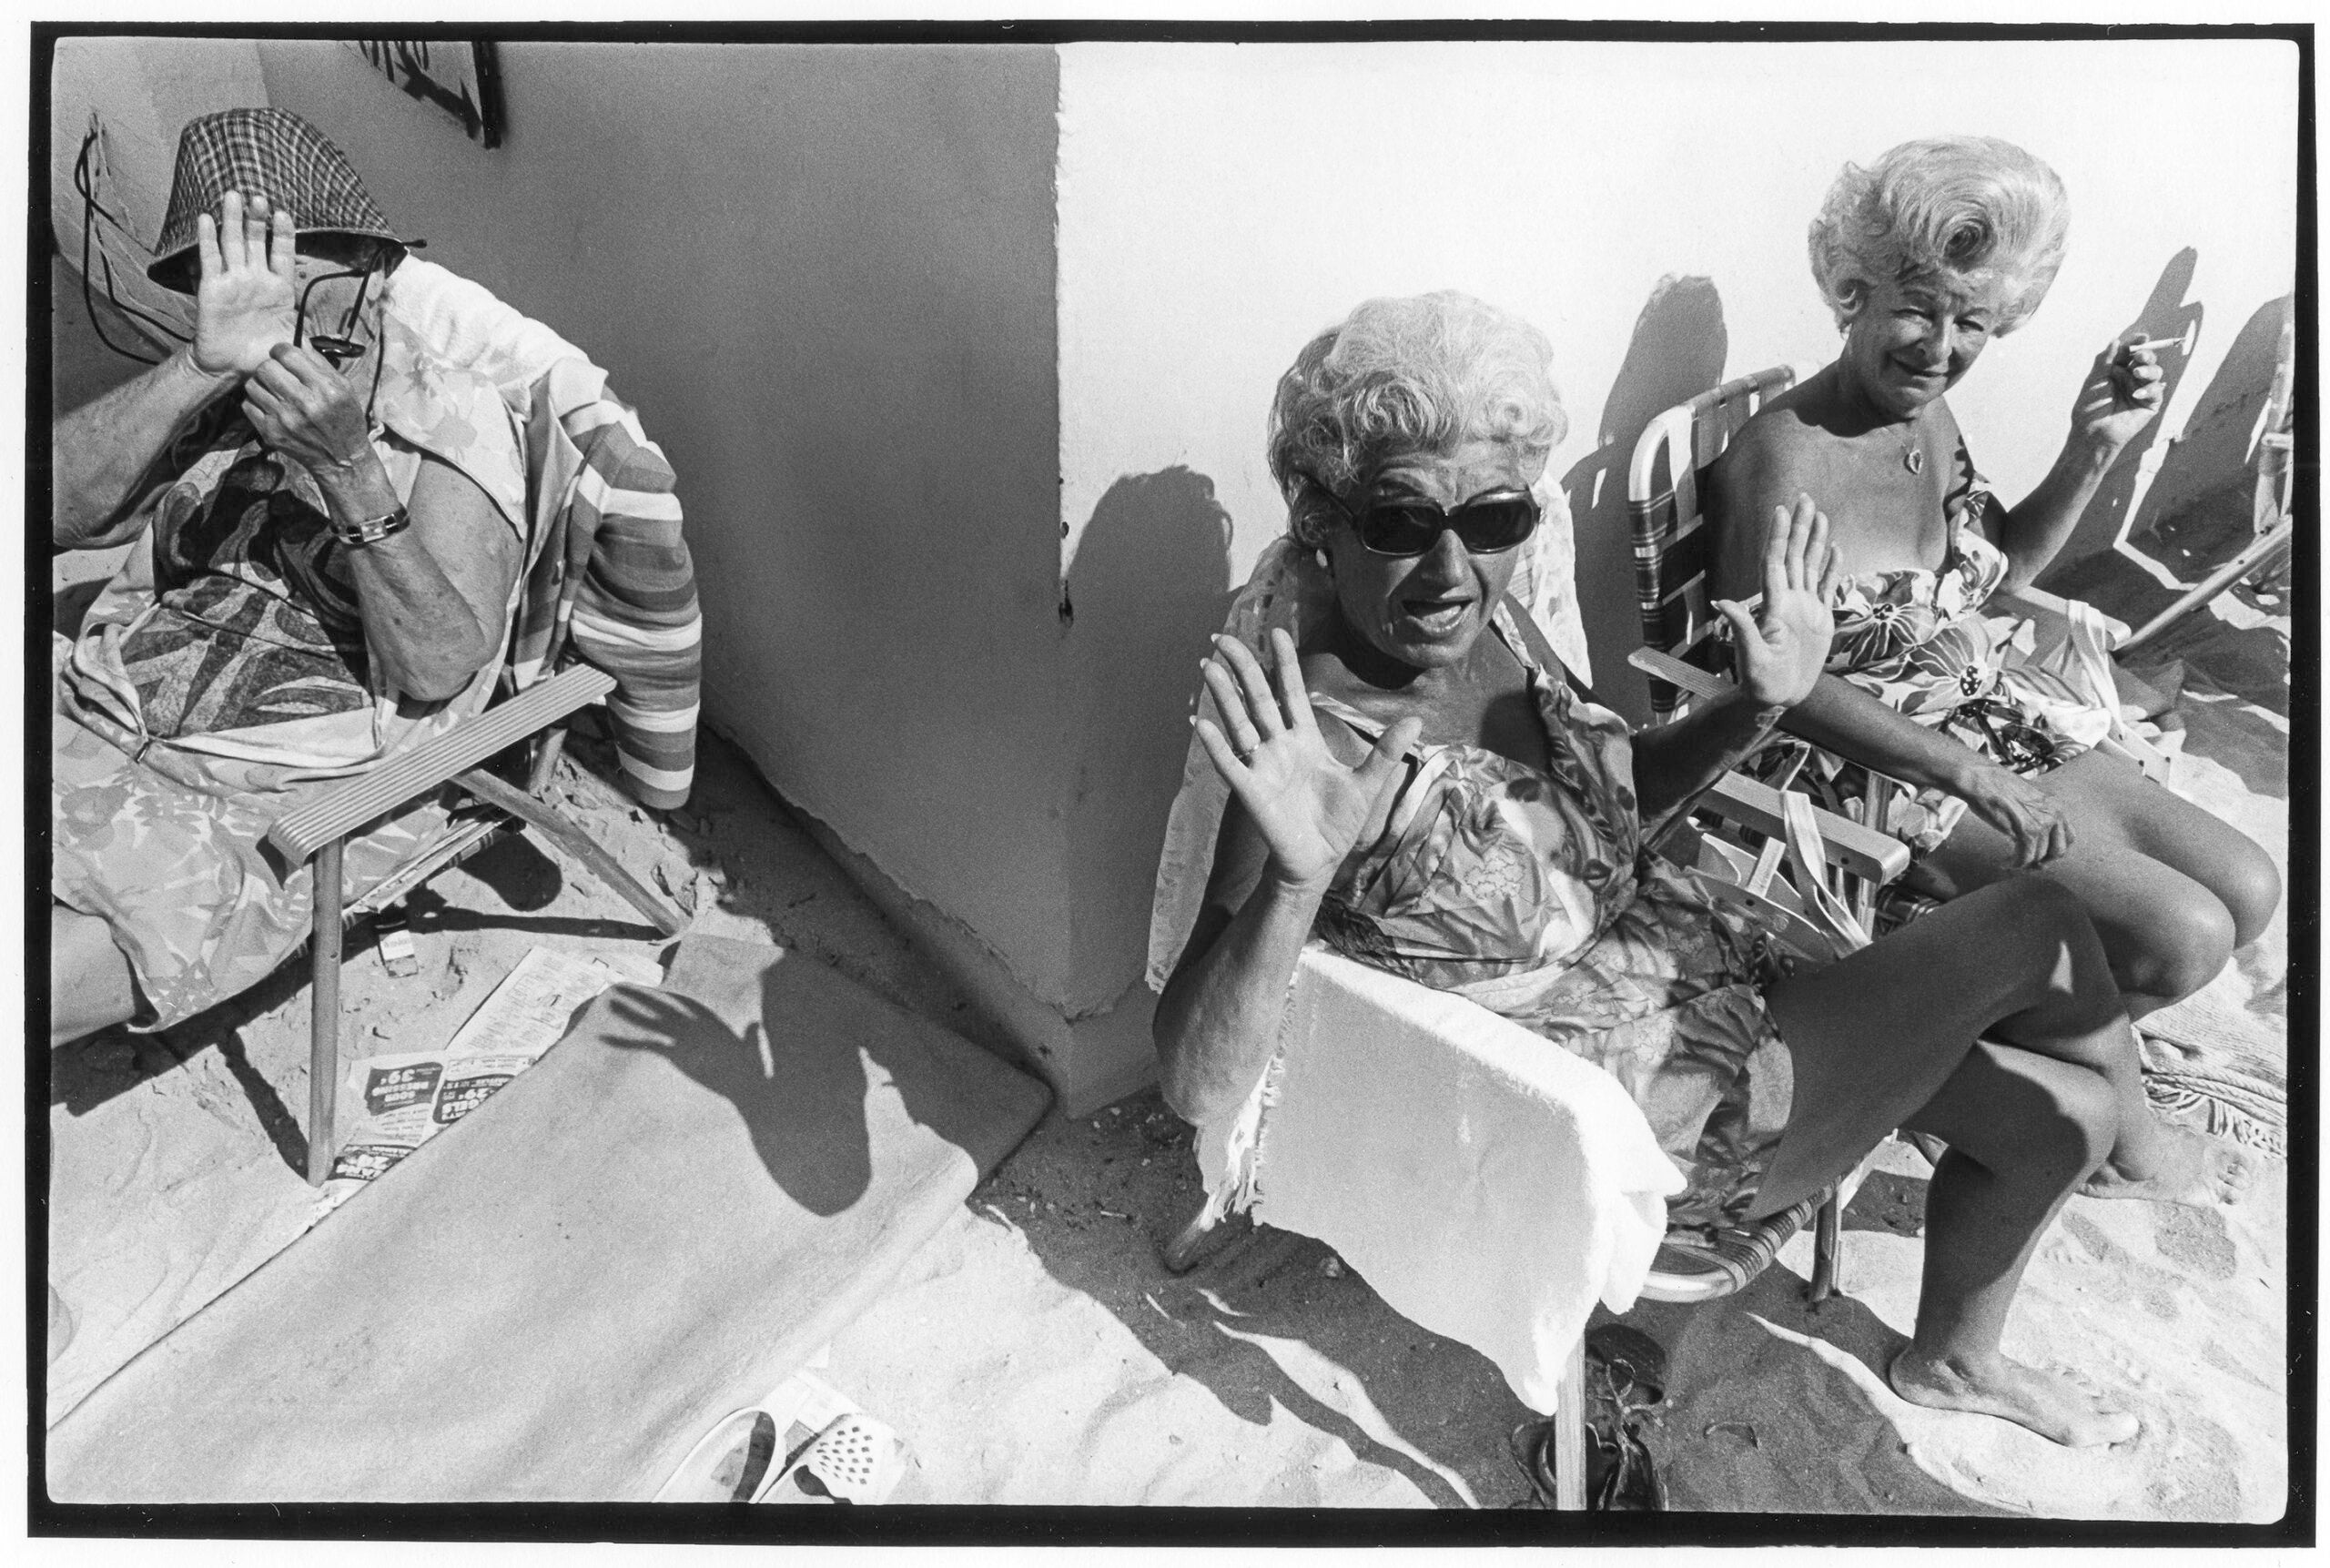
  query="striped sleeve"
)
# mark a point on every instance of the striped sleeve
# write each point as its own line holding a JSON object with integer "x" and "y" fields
{"x": 635, "y": 613}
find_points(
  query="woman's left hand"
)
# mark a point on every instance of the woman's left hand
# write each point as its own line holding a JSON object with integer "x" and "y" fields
{"x": 2122, "y": 393}
{"x": 1783, "y": 646}
{"x": 306, "y": 410}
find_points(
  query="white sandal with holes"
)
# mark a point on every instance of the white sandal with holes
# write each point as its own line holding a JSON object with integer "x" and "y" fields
{"x": 855, "y": 1460}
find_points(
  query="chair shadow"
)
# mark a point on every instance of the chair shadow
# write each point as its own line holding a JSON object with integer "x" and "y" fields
{"x": 87, "y": 1073}
{"x": 1149, "y": 583}
{"x": 1677, "y": 352}
{"x": 2165, "y": 313}
{"x": 1216, "y": 1324}
{"x": 1205, "y": 1324}
{"x": 1716, "y": 1400}
{"x": 2211, "y": 457}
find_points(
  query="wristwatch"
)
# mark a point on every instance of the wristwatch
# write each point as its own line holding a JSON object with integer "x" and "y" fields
{"x": 372, "y": 530}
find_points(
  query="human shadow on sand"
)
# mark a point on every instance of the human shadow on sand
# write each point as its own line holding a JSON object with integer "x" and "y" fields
{"x": 2165, "y": 313}
{"x": 1228, "y": 1322}
{"x": 824, "y": 1076}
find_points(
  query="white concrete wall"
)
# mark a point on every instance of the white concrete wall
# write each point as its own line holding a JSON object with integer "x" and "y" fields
{"x": 827, "y": 278}
{"x": 823, "y": 276}
{"x": 1221, "y": 203}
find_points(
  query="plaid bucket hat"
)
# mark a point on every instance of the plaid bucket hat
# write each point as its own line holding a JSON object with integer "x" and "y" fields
{"x": 265, "y": 152}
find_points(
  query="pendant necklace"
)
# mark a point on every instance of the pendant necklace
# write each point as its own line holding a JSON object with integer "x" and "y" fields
{"x": 1913, "y": 457}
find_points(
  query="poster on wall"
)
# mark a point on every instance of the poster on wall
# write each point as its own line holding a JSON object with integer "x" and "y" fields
{"x": 462, "y": 79}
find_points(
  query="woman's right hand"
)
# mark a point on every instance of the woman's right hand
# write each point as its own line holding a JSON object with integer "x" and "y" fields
{"x": 246, "y": 300}
{"x": 1310, "y": 806}
{"x": 2027, "y": 815}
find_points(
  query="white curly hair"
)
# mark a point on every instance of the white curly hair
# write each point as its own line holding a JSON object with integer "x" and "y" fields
{"x": 1973, "y": 212}
{"x": 1400, "y": 376}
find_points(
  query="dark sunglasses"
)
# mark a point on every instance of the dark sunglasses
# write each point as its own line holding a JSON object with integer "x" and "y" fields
{"x": 1406, "y": 526}
{"x": 337, "y": 347}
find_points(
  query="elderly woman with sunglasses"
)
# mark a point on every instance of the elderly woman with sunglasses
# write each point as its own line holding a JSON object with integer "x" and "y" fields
{"x": 334, "y": 545}
{"x": 1924, "y": 257}
{"x": 1419, "y": 785}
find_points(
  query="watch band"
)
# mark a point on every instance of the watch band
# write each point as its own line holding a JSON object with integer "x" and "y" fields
{"x": 372, "y": 530}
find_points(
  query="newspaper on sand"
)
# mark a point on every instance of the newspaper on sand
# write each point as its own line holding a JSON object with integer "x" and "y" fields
{"x": 401, "y": 1101}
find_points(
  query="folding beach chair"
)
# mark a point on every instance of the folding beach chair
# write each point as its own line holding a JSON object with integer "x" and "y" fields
{"x": 1674, "y": 546}
{"x": 608, "y": 592}
{"x": 1690, "y": 1267}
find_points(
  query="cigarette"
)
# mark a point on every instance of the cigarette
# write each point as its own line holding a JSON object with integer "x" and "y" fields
{"x": 2183, "y": 341}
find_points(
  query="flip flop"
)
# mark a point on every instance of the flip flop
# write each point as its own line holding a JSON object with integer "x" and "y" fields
{"x": 730, "y": 1464}
{"x": 855, "y": 1460}
{"x": 733, "y": 1461}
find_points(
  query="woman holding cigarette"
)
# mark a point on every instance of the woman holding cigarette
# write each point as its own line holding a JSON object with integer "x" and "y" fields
{"x": 1924, "y": 257}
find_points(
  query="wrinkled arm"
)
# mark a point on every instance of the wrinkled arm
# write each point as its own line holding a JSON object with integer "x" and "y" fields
{"x": 1676, "y": 764}
{"x": 1218, "y": 1020}
{"x": 2124, "y": 392}
{"x": 106, "y": 453}
{"x": 436, "y": 595}
{"x": 2035, "y": 532}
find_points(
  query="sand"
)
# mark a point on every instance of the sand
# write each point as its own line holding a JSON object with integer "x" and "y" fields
{"x": 1035, "y": 1352}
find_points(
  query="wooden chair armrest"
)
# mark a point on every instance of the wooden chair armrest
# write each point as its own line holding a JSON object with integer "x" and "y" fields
{"x": 2030, "y": 600}
{"x": 329, "y": 811}
{"x": 1864, "y": 852}
{"x": 1676, "y": 672}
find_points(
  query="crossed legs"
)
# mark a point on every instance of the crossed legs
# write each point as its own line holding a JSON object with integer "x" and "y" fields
{"x": 2048, "y": 1103}
{"x": 2172, "y": 891}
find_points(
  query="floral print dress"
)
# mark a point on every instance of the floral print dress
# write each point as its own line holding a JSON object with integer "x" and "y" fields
{"x": 1530, "y": 893}
{"x": 1917, "y": 641}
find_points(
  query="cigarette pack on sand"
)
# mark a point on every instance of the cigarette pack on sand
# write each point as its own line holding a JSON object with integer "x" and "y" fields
{"x": 401, "y": 1101}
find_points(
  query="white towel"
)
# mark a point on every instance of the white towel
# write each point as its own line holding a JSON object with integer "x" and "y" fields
{"x": 1489, "y": 1184}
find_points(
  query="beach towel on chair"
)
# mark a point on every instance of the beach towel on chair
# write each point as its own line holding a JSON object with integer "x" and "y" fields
{"x": 1486, "y": 1187}
{"x": 610, "y": 575}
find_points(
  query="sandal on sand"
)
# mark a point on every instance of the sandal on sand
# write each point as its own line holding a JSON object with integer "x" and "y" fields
{"x": 1626, "y": 1374}
{"x": 856, "y": 1459}
{"x": 733, "y": 1461}
{"x": 730, "y": 1464}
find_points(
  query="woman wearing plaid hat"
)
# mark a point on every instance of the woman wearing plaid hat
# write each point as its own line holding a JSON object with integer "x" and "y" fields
{"x": 336, "y": 523}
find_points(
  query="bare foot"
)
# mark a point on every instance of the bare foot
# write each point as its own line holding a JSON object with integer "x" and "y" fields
{"x": 2047, "y": 1402}
{"x": 2191, "y": 1169}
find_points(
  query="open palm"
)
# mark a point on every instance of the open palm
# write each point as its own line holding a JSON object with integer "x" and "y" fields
{"x": 246, "y": 300}
{"x": 1309, "y": 804}
{"x": 1783, "y": 646}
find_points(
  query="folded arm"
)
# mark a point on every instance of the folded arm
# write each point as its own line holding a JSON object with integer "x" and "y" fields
{"x": 107, "y": 454}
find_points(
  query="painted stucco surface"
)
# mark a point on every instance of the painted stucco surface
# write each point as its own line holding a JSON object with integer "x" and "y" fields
{"x": 1220, "y": 202}
{"x": 823, "y": 277}
{"x": 962, "y": 358}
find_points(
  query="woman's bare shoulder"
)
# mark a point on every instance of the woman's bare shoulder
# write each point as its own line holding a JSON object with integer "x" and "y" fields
{"x": 1783, "y": 440}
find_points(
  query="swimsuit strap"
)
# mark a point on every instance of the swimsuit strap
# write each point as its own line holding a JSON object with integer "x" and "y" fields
{"x": 1539, "y": 648}
{"x": 1427, "y": 766}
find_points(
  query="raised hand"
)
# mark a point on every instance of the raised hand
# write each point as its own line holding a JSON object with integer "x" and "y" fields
{"x": 2124, "y": 392}
{"x": 1308, "y": 806}
{"x": 1783, "y": 645}
{"x": 247, "y": 300}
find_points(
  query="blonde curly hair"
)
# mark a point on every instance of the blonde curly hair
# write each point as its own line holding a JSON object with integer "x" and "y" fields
{"x": 1974, "y": 212}
{"x": 1398, "y": 377}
